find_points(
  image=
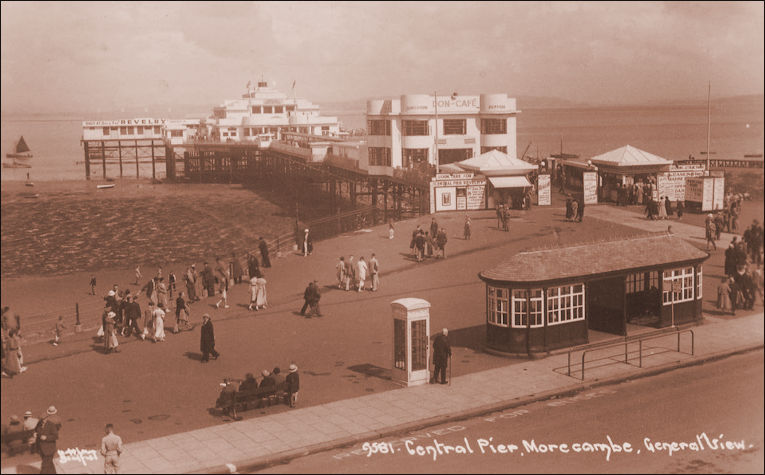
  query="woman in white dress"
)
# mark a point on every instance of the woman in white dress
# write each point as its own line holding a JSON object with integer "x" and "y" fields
{"x": 662, "y": 208}
{"x": 261, "y": 297}
{"x": 253, "y": 292}
{"x": 159, "y": 323}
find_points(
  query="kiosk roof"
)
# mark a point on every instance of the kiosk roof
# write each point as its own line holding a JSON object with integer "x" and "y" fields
{"x": 594, "y": 259}
{"x": 629, "y": 156}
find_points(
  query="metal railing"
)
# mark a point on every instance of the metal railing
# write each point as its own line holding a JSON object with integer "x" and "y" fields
{"x": 637, "y": 339}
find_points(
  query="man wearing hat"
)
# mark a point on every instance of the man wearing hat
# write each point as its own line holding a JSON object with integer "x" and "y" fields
{"x": 441, "y": 353}
{"x": 29, "y": 424}
{"x": 207, "y": 344}
{"x": 267, "y": 383}
{"x": 293, "y": 384}
{"x": 47, "y": 435}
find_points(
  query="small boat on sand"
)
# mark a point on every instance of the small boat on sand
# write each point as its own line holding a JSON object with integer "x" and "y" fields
{"x": 20, "y": 156}
{"x": 103, "y": 187}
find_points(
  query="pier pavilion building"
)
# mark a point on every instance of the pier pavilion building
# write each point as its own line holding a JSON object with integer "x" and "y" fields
{"x": 411, "y": 131}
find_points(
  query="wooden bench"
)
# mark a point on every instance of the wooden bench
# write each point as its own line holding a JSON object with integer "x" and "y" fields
{"x": 16, "y": 442}
{"x": 231, "y": 401}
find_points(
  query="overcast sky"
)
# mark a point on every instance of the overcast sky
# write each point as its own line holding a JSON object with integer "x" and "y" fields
{"x": 62, "y": 57}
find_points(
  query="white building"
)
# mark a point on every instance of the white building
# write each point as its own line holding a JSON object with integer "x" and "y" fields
{"x": 180, "y": 131}
{"x": 266, "y": 113}
{"x": 123, "y": 129}
{"x": 403, "y": 132}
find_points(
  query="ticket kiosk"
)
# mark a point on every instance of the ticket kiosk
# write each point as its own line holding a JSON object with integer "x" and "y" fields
{"x": 411, "y": 330}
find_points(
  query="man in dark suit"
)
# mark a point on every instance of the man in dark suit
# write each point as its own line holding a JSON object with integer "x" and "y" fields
{"x": 207, "y": 344}
{"x": 441, "y": 353}
{"x": 306, "y": 298}
{"x": 47, "y": 435}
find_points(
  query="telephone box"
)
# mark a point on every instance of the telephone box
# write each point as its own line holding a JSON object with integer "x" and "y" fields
{"x": 411, "y": 330}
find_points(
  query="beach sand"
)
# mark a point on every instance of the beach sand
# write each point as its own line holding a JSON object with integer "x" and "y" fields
{"x": 65, "y": 227}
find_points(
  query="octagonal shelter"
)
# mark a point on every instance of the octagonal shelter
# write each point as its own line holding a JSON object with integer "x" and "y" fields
{"x": 542, "y": 300}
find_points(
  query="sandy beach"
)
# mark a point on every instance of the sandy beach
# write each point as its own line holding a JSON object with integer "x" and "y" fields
{"x": 65, "y": 227}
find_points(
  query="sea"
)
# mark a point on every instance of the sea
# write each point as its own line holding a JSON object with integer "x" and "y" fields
{"x": 673, "y": 132}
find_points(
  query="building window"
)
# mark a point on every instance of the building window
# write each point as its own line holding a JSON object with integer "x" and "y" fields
{"x": 416, "y": 127}
{"x": 698, "y": 283}
{"x": 493, "y": 126}
{"x": 521, "y": 313}
{"x": 256, "y": 110}
{"x": 139, "y": 130}
{"x": 378, "y": 127}
{"x": 502, "y": 149}
{"x": 176, "y": 133}
{"x": 246, "y": 132}
{"x": 642, "y": 281}
{"x": 156, "y": 129}
{"x": 106, "y": 131}
{"x": 279, "y": 109}
{"x": 498, "y": 306}
{"x": 455, "y": 127}
{"x": 379, "y": 157}
{"x": 123, "y": 130}
{"x": 412, "y": 157}
{"x": 268, "y": 109}
{"x": 565, "y": 304}
{"x": 451, "y": 155}
{"x": 290, "y": 108}
{"x": 684, "y": 292}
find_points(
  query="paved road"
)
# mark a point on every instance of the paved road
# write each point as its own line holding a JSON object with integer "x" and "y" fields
{"x": 672, "y": 407}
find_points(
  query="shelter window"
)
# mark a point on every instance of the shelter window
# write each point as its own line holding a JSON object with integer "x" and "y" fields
{"x": 455, "y": 127}
{"x": 268, "y": 109}
{"x": 642, "y": 281}
{"x": 698, "y": 283}
{"x": 502, "y": 149}
{"x": 379, "y": 157}
{"x": 278, "y": 109}
{"x": 416, "y": 127}
{"x": 414, "y": 156}
{"x": 565, "y": 304}
{"x": 176, "y": 133}
{"x": 256, "y": 110}
{"x": 106, "y": 131}
{"x": 378, "y": 127}
{"x": 685, "y": 277}
{"x": 498, "y": 306}
{"x": 493, "y": 126}
{"x": 521, "y": 312}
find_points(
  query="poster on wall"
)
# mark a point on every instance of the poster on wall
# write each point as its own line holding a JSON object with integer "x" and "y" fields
{"x": 543, "y": 192}
{"x": 664, "y": 186}
{"x": 673, "y": 182}
{"x": 719, "y": 192}
{"x": 590, "y": 183}
{"x": 461, "y": 199}
{"x": 694, "y": 189}
{"x": 476, "y": 196}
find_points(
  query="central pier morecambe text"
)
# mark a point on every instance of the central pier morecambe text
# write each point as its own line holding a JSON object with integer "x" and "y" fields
{"x": 607, "y": 447}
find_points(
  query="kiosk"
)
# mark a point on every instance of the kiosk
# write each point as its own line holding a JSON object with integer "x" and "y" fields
{"x": 411, "y": 330}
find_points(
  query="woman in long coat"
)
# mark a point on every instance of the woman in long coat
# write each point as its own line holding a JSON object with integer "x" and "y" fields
{"x": 236, "y": 269}
{"x": 109, "y": 332}
{"x": 162, "y": 293}
{"x": 159, "y": 323}
{"x": 12, "y": 363}
{"x": 207, "y": 341}
{"x": 253, "y": 292}
{"x": 261, "y": 298}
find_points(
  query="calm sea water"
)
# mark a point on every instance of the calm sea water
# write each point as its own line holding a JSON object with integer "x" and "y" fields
{"x": 671, "y": 132}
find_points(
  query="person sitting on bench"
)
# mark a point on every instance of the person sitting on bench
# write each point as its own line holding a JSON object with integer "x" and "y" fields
{"x": 250, "y": 384}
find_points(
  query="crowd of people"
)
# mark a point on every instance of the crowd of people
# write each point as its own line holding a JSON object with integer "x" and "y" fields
{"x": 743, "y": 279}
{"x": 271, "y": 382}
{"x": 431, "y": 243}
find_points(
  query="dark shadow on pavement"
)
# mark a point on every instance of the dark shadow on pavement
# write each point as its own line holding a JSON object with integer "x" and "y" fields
{"x": 371, "y": 370}
{"x": 194, "y": 356}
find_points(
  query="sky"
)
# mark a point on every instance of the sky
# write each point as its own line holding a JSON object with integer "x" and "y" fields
{"x": 63, "y": 57}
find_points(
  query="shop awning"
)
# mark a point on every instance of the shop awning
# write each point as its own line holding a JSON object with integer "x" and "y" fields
{"x": 496, "y": 163}
{"x": 509, "y": 182}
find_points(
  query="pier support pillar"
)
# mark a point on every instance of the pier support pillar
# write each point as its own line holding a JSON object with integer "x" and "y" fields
{"x": 87, "y": 161}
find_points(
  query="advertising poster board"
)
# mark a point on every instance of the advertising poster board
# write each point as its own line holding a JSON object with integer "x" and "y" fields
{"x": 476, "y": 196}
{"x": 672, "y": 183}
{"x": 459, "y": 191}
{"x": 590, "y": 181}
{"x": 543, "y": 190}
{"x": 719, "y": 192}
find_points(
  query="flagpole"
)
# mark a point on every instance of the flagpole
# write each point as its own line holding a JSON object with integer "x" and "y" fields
{"x": 709, "y": 119}
{"x": 435, "y": 102}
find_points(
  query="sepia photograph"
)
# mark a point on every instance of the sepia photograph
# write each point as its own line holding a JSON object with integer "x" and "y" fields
{"x": 382, "y": 237}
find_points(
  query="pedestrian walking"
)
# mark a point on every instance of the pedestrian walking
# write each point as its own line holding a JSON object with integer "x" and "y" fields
{"x": 307, "y": 297}
{"x": 29, "y": 424}
{"x": 59, "y": 330}
{"x": 580, "y": 210}
{"x": 148, "y": 321}
{"x": 253, "y": 266}
{"x": 709, "y": 229}
{"x": 132, "y": 316}
{"x": 207, "y": 343}
{"x": 159, "y": 323}
{"x": 293, "y": 384}
{"x": 110, "y": 334}
{"x": 362, "y": 273}
{"x": 47, "y": 435}
{"x": 374, "y": 270}
{"x": 261, "y": 296}
{"x": 467, "y": 230}
{"x": 506, "y": 219}
{"x": 111, "y": 449}
{"x": 236, "y": 269}
{"x": 307, "y": 244}
{"x": 264, "y": 253}
{"x": 420, "y": 245}
{"x": 189, "y": 278}
{"x": 223, "y": 276}
{"x": 182, "y": 313}
{"x": 171, "y": 280}
{"x": 350, "y": 273}
{"x": 500, "y": 215}
{"x": 433, "y": 227}
{"x": 680, "y": 209}
{"x": 441, "y": 241}
{"x": 442, "y": 351}
{"x": 253, "y": 292}
{"x": 314, "y": 301}
{"x": 92, "y": 285}
{"x": 340, "y": 269}
{"x": 208, "y": 281}
{"x": 723, "y": 295}
{"x": 162, "y": 293}
{"x": 13, "y": 358}
{"x": 391, "y": 230}
{"x": 138, "y": 275}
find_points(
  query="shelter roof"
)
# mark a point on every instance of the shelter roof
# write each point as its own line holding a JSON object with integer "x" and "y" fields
{"x": 629, "y": 156}
{"x": 509, "y": 182}
{"x": 495, "y": 163}
{"x": 594, "y": 259}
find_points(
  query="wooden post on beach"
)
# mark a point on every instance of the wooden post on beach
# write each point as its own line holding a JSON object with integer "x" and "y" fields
{"x": 77, "y": 324}
{"x": 119, "y": 148}
{"x": 137, "y": 173}
{"x": 153, "y": 163}
{"x": 103, "y": 158}
{"x": 87, "y": 161}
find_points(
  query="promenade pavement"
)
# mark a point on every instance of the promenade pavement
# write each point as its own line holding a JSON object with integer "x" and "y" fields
{"x": 252, "y": 443}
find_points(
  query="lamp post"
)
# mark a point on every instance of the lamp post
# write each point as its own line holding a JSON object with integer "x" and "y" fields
{"x": 435, "y": 102}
